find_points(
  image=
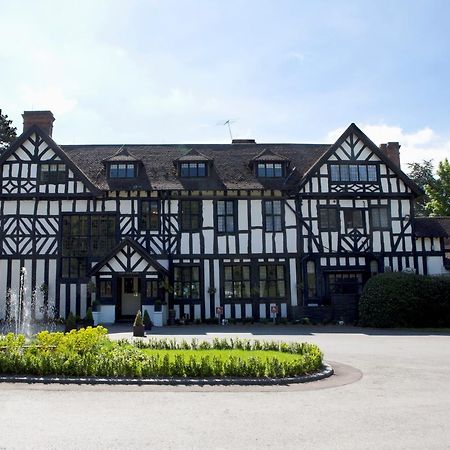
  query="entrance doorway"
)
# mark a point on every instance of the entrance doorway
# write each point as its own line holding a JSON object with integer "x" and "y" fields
{"x": 129, "y": 297}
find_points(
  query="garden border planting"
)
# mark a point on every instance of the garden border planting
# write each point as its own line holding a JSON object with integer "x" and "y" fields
{"x": 87, "y": 355}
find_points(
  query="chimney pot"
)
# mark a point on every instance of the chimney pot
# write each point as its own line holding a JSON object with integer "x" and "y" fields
{"x": 43, "y": 119}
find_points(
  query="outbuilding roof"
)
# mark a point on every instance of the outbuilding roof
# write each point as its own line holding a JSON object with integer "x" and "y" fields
{"x": 432, "y": 226}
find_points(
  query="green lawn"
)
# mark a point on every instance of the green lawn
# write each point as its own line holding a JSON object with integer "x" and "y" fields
{"x": 223, "y": 355}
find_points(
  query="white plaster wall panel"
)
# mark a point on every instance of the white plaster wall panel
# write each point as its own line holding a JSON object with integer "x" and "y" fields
{"x": 283, "y": 310}
{"x": 206, "y": 284}
{"x": 315, "y": 184}
{"x": 352, "y": 261}
{"x": 238, "y": 311}
{"x": 242, "y": 215}
{"x": 419, "y": 246}
{"x": 394, "y": 264}
{"x": 208, "y": 236}
{"x": 366, "y": 153}
{"x": 362, "y": 261}
{"x": 248, "y": 310}
{"x": 15, "y": 276}
{"x": 436, "y": 244}
{"x": 186, "y": 310}
{"x": 62, "y": 299}
{"x": 10, "y": 208}
{"x": 256, "y": 213}
{"x": 262, "y": 311}
{"x": 197, "y": 312}
{"x": 396, "y": 227}
{"x": 340, "y": 154}
{"x": 324, "y": 184}
{"x": 256, "y": 237}
{"x": 304, "y": 207}
{"x": 177, "y": 311}
{"x": 216, "y": 266}
{"x": 268, "y": 239}
{"x": 227, "y": 311}
{"x": 406, "y": 207}
{"x": 125, "y": 206}
{"x": 5, "y": 171}
{"x": 279, "y": 242}
{"x": 208, "y": 213}
{"x": 73, "y": 300}
{"x": 40, "y": 279}
{"x": 408, "y": 244}
{"x": 323, "y": 170}
{"x": 293, "y": 281}
{"x": 291, "y": 240}
{"x": 313, "y": 208}
{"x": 384, "y": 185}
{"x": 221, "y": 244}
{"x": 26, "y": 207}
{"x": 290, "y": 217}
{"x": 325, "y": 241}
{"x": 243, "y": 242}
{"x": 54, "y": 207}
{"x": 3, "y": 290}
{"x": 184, "y": 243}
{"x": 376, "y": 241}
{"x": 231, "y": 244}
{"x": 387, "y": 241}
{"x": 81, "y": 205}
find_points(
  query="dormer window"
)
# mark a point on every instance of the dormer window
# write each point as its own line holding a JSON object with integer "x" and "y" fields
{"x": 197, "y": 169}
{"x": 125, "y": 170}
{"x": 270, "y": 170}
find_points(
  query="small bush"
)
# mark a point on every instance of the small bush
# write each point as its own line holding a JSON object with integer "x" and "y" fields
{"x": 71, "y": 322}
{"x": 89, "y": 317}
{"x": 405, "y": 300}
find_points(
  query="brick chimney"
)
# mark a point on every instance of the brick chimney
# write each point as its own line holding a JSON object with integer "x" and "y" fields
{"x": 392, "y": 151}
{"x": 43, "y": 119}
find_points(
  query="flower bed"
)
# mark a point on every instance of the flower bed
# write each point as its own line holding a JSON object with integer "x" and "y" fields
{"x": 89, "y": 353}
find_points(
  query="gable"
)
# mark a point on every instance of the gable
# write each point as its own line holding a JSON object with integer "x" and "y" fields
{"x": 354, "y": 164}
{"x": 28, "y": 168}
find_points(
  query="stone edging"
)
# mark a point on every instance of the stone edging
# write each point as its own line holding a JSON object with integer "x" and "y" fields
{"x": 326, "y": 372}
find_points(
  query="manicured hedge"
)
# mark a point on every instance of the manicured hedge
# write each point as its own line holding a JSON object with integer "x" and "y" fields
{"x": 89, "y": 352}
{"x": 405, "y": 300}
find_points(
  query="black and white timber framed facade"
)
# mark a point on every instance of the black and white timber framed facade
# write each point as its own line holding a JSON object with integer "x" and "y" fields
{"x": 243, "y": 226}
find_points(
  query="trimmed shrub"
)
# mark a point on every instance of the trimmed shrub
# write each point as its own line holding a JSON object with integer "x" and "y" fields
{"x": 405, "y": 300}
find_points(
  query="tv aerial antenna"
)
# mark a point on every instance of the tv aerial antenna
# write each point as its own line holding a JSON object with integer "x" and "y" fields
{"x": 228, "y": 123}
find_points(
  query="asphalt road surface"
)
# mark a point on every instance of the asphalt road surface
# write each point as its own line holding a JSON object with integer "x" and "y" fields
{"x": 391, "y": 391}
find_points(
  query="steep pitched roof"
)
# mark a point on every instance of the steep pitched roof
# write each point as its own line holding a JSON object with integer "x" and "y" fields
{"x": 75, "y": 167}
{"x": 373, "y": 147}
{"x": 230, "y": 170}
{"x": 433, "y": 227}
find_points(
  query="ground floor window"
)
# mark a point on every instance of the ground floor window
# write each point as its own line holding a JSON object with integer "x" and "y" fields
{"x": 272, "y": 281}
{"x": 187, "y": 282}
{"x": 237, "y": 281}
{"x": 345, "y": 283}
{"x": 152, "y": 290}
{"x": 106, "y": 288}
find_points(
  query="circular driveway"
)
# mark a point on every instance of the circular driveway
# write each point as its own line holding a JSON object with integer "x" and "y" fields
{"x": 395, "y": 394}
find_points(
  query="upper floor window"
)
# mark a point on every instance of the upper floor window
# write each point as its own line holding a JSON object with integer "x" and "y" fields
{"x": 379, "y": 218}
{"x": 354, "y": 173}
{"x": 191, "y": 215}
{"x": 150, "y": 215}
{"x": 225, "y": 216}
{"x": 272, "y": 215}
{"x": 269, "y": 170}
{"x": 193, "y": 169}
{"x": 53, "y": 173}
{"x": 353, "y": 218}
{"x": 125, "y": 170}
{"x": 328, "y": 219}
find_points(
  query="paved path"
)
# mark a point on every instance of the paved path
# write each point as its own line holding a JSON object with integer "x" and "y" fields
{"x": 402, "y": 401}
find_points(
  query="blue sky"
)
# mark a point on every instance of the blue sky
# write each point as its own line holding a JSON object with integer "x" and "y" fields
{"x": 286, "y": 71}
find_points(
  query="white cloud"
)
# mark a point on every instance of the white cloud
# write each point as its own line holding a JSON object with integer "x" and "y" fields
{"x": 416, "y": 146}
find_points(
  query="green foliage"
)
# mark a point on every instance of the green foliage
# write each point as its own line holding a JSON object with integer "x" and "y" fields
{"x": 438, "y": 191}
{"x": 89, "y": 317}
{"x": 422, "y": 174}
{"x": 138, "y": 319}
{"x": 405, "y": 300}
{"x": 147, "y": 321}
{"x": 7, "y": 132}
{"x": 89, "y": 352}
{"x": 71, "y": 322}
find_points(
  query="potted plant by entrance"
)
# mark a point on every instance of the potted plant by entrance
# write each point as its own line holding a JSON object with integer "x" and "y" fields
{"x": 96, "y": 306}
{"x": 138, "y": 326}
{"x": 147, "y": 321}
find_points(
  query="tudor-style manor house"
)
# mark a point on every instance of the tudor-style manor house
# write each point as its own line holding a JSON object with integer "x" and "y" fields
{"x": 244, "y": 226}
